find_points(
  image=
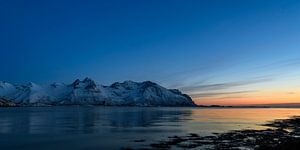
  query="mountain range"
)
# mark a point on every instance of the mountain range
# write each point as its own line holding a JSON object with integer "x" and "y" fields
{"x": 88, "y": 92}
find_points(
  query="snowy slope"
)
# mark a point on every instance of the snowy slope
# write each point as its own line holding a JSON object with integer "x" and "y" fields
{"x": 88, "y": 92}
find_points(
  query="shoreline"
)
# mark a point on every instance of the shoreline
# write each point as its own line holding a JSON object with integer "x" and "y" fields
{"x": 282, "y": 134}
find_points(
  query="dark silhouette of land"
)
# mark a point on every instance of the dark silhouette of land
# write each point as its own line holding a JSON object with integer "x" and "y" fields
{"x": 279, "y": 105}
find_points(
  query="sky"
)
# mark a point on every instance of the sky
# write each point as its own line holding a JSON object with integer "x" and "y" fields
{"x": 232, "y": 52}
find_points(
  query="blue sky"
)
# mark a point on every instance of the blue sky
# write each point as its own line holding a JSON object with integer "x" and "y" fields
{"x": 202, "y": 47}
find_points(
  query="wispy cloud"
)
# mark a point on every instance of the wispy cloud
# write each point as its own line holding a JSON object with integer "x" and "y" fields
{"x": 231, "y": 97}
{"x": 222, "y": 86}
{"x": 283, "y": 63}
{"x": 205, "y": 86}
{"x": 213, "y": 94}
{"x": 291, "y": 93}
{"x": 199, "y": 72}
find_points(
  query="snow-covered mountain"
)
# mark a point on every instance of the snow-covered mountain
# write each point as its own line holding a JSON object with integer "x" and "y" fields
{"x": 88, "y": 92}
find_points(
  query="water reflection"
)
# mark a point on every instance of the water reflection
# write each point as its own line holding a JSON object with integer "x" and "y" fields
{"x": 85, "y": 119}
{"x": 97, "y": 128}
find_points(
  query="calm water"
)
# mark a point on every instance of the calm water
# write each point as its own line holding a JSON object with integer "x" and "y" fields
{"x": 115, "y": 127}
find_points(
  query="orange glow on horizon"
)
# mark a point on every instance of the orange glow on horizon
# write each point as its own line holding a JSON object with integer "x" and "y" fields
{"x": 266, "y": 97}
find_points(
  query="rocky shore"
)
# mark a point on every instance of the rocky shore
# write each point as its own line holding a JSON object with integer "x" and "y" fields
{"x": 281, "y": 135}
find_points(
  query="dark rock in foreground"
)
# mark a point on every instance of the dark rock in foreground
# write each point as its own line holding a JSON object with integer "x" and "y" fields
{"x": 282, "y": 135}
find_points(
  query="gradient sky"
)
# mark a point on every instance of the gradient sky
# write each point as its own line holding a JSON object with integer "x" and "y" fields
{"x": 220, "y": 52}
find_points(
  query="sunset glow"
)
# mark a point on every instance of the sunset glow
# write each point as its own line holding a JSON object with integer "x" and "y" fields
{"x": 219, "y": 53}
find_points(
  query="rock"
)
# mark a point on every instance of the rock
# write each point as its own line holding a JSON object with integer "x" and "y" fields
{"x": 275, "y": 138}
{"x": 7, "y": 103}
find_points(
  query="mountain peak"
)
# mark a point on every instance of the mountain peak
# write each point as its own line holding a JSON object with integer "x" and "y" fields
{"x": 75, "y": 84}
{"x": 86, "y": 83}
{"x": 129, "y": 81}
{"x": 149, "y": 83}
{"x": 2, "y": 83}
{"x": 87, "y": 79}
{"x": 87, "y": 92}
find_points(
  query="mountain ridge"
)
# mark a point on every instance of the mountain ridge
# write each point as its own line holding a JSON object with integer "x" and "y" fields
{"x": 89, "y": 92}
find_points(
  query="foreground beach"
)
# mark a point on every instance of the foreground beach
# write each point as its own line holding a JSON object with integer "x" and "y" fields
{"x": 282, "y": 134}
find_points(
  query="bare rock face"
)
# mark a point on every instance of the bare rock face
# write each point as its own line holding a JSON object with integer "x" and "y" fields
{"x": 7, "y": 103}
{"x": 88, "y": 92}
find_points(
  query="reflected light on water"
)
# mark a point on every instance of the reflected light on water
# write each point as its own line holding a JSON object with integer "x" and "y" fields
{"x": 221, "y": 120}
{"x": 110, "y": 127}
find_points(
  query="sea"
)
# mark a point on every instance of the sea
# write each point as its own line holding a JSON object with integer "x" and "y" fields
{"x": 105, "y": 128}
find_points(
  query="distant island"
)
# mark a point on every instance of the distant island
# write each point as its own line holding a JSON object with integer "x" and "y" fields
{"x": 279, "y": 105}
{"x": 88, "y": 92}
